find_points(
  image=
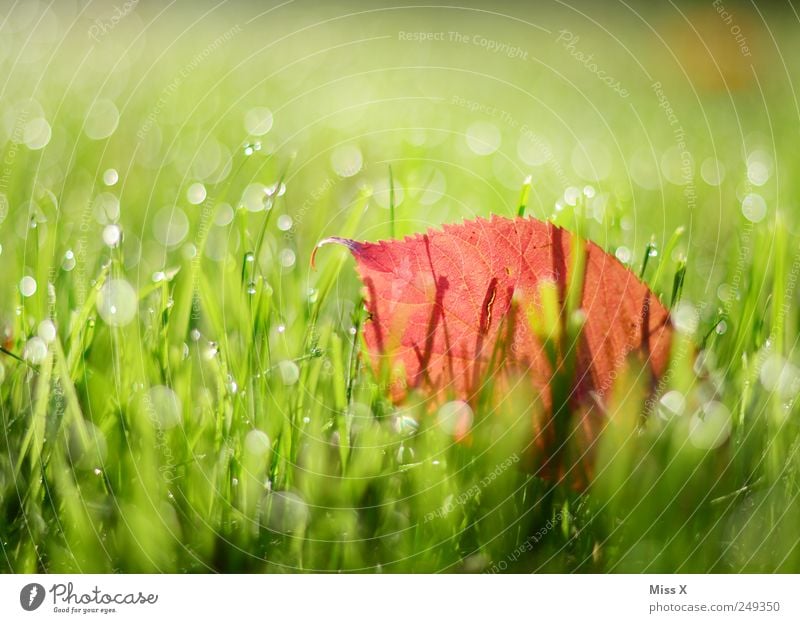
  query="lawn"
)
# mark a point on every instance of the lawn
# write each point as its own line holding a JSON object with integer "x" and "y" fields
{"x": 181, "y": 391}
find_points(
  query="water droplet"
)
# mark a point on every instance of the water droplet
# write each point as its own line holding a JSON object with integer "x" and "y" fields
{"x": 623, "y": 254}
{"x": 721, "y": 327}
{"x": 284, "y": 222}
{"x": 710, "y": 426}
{"x": 117, "y": 303}
{"x": 285, "y": 512}
{"x": 312, "y": 295}
{"x": 347, "y": 160}
{"x": 686, "y": 317}
{"x": 781, "y": 376}
{"x": 287, "y": 258}
{"x": 170, "y": 226}
{"x": 112, "y": 234}
{"x": 759, "y": 167}
{"x": 671, "y": 405}
{"x": 257, "y": 443}
{"x": 69, "y": 262}
{"x": 110, "y": 177}
{"x": 281, "y": 328}
{"x": 712, "y": 171}
{"x": 589, "y": 191}
{"x": 212, "y": 350}
{"x": 159, "y": 276}
{"x": 36, "y": 133}
{"x": 47, "y": 331}
{"x": 35, "y": 350}
{"x": 27, "y": 286}
{"x": 258, "y": 121}
{"x": 223, "y": 215}
{"x": 232, "y": 385}
{"x": 455, "y": 418}
{"x": 101, "y": 120}
{"x": 195, "y": 335}
{"x": 571, "y": 195}
{"x": 196, "y": 194}
{"x": 754, "y": 207}
{"x": 249, "y": 257}
{"x": 253, "y": 197}
{"x": 251, "y": 288}
{"x": 483, "y": 138}
{"x": 289, "y": 372}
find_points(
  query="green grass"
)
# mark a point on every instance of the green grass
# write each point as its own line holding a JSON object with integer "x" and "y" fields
{"x": 234, "y": 423}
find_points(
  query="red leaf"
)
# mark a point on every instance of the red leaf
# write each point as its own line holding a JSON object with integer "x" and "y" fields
{"x": 440, "y": 301}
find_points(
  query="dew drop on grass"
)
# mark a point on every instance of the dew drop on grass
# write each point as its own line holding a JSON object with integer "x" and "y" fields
{"x": 347, "y": 160}
{"x": 721, "y": 327}
{"x": 285, "y": 512}
{"x": 112, "y": 234}
{"x": 258, "y": 121}
{"x": 251, "y": 288}
{"x": 170, "y": 226}
{"x": 289, "y": 372}
{"x": 284, "y": 222}
{"x": 35, "y": 350}
{"x": 195, "y": 335}
{"x": 253, "y": 197}
{"x": 287, "y": 258}
{"x": 257, "y": 443}
{"x": 780, "y": 376}
{"x": 712, "y": 171}
{"x": 710, "y": 426}
{"x": 686, "y": 318}
{"x": 47, "y": 331}
{"x": 164, "y": 408}
{"x": 69, "y": 261}
{"x": 483, "y": 138}
{"x": 754, "y": 207}
{"x": 455, "y": 418}
{"x": 623, "y": 254}
{"x": 117, "y": 303}
{"x": 312, "y": 295}
{"x": 110, "y": 177}
{"x": 571, "y": 195}
{"x": 101, "y": 120}
{"x": 27, "y": 286}
{"x": 196, "y": 194}
{"x": 211, "y": 351}
{"x": 223, "y": 215}
{"x": 671, "y": 405}
{"x": 36, "y": 133}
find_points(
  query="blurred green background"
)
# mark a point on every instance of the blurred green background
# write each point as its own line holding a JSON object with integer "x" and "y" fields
{"x": 191, "y": 396}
